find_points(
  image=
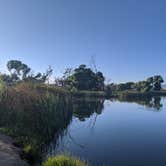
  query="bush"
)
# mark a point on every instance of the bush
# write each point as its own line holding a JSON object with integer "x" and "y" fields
{"x": 63, "y": 160}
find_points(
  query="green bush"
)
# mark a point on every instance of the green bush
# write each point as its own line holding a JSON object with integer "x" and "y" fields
{"x": 63, "y": 160}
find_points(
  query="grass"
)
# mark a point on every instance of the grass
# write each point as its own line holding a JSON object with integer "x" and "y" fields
{"x": 33, "y": 113}
{"x": 32, "y": 116}
{"x": 64, "y": 160}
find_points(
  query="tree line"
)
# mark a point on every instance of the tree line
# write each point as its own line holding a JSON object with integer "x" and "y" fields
{"x": 153, "y": 83}
{"x": 80, "y": 78}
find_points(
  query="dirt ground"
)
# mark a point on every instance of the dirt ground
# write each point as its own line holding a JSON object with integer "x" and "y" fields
{"x": 9, "y": 154}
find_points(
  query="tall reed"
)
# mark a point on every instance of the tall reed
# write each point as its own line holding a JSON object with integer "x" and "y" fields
{"x": 33, "y": 116}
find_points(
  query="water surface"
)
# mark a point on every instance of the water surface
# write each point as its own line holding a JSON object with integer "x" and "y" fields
{"x": 116, "y": 133}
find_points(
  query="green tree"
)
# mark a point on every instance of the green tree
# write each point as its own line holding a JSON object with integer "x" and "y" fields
{"x": 157, "y": 81}
{"x": 22, "y": 72}
{"x": 99, "y": 81}
{"x": 83, "y": 78}
{"x": 17, "y": 68}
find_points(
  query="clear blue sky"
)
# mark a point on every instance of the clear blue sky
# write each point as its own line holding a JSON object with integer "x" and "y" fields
{"x": 126, "y": 37}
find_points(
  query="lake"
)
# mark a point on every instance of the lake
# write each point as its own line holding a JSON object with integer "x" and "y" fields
{"x": 116, "y": 132}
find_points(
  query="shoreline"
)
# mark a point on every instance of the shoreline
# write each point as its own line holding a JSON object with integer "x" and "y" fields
{"x": 9, "y": 153}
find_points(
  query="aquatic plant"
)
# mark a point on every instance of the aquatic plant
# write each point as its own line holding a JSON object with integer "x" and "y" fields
{"x": 32, "y": 117}
{"x": 63, "y": 160}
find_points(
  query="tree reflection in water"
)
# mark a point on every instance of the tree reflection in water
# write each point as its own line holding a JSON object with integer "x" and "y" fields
{"x": 149, "y": 102}
{"x": 83, "y": 109}
{"x": 87, "y": 110}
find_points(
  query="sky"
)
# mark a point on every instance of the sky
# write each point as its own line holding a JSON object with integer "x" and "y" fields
{"x": 126, "y": 38}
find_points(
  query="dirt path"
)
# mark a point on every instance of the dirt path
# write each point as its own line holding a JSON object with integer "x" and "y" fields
{"x": 9, "y": 154}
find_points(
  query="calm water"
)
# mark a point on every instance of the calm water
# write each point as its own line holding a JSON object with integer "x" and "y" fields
{"x": 114, "y": 133}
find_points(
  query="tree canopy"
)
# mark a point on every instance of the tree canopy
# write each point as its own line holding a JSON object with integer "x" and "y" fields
{"x": 150, "y": 84}
{"x": 80, "y": 78}
{"x": 83, "y": 78}
{"x": 22, "y": 72}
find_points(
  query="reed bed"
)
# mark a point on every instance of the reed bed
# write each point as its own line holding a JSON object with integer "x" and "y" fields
{"x": 32, "y": 117}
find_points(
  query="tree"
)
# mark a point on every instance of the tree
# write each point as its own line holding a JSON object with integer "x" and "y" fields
{"x": 18, "y": 69}
{"x": 45, "y": 77}
{"x": 151, "y": 83}
{"x": 99, "y": 81}
{"x": 22, "y": 72}
{"x": 83, "y": 78}
{"x": 25, "y": 70}
{"x": 66, "y": 80}
{"x": 157, "y": 81}
{"x": 14, "y": 66}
